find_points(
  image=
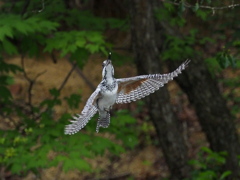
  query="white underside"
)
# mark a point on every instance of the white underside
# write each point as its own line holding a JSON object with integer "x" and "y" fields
{"x": 108, "y": 99}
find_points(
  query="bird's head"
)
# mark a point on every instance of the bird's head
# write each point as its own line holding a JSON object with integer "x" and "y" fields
{"x": 108, "y": 70}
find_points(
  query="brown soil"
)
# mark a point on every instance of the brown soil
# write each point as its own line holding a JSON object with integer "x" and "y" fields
{"x": 141, "y": 163}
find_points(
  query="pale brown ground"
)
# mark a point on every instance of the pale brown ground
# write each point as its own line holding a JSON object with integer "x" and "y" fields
{"x": 141, "y": 163}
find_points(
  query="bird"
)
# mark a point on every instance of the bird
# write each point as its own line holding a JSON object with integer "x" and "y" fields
{"x": 111, "y": 91}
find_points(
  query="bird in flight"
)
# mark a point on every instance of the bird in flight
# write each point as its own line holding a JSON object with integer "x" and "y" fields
{"x": 111, "y": 91}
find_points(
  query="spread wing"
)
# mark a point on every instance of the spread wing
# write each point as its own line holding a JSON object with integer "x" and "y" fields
{"x": 80, "y": 120}
{"x": 134, "y": 88}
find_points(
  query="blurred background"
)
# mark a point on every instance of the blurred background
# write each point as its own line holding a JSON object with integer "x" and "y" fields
{"x": 51, "y": 61}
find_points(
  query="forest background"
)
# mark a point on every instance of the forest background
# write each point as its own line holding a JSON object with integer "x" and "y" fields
{"x": 50, "y": 62}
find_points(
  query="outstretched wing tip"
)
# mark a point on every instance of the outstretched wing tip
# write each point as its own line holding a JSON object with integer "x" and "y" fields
{"x": 187, "y": 62}
{"x": 79, "y": 121}
{"x": 134, "y": 88}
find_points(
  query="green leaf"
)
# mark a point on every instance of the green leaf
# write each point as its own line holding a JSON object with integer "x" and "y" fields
{"x": 5, "y": 31}
{"x": 54, "y": 92}
{"x": 5, "y": 94}
{"x": 196, "y": 7}
{"x": 9, "y": 47}
{"x": 73, "y": 101}
{"x": 207, "y": 175}
{"x": 197, "y": 164}
{"x": 16, "y": 168}
{"x": 9, "y": 80}
{"x": 202, "y": 14}
{"x": 182, "y": 7}
{"x": 225, "y": 174}
{"x": 4, "y": 67}
{"x": 207, "y": 150}
{"x": 80, "y": 56}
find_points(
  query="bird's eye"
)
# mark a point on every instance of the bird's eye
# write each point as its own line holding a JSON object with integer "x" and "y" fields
{"x": 104, "y": 63}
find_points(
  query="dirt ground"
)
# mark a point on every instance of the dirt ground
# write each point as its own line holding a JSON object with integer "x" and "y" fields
{"x": 142, "y": 163}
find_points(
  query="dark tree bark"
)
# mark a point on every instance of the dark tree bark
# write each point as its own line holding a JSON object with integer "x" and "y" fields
{"x": 147, "y": 59}
{"x": 214, "y": 116}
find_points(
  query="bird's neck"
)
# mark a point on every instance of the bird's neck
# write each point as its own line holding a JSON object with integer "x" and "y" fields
{"x": 109, "y": 78}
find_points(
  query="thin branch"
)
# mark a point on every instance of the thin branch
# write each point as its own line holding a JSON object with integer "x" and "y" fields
{"x": 39, "y": 74}
{"x": 42, "y": 8}
{"x": 54, "y": 59}
{"x": 59, "y": 171}
{"x": 67, "y": 77}
{"x": 89, "y": 83}
{"x": 23, "y": 67}
{"x": 31, "y": 82}
{"x": 117, "y": 176}
{"x": 59, "y": 89}
{"x": 25, "y": 6}
{"x": 186, "y": 4}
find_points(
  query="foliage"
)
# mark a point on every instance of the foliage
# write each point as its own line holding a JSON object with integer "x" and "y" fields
{"x": 69, "y": 31}
{"x": 6, "y": 79}
{"x": 38, "y": 141}
{"x": 193, "y": 41}
{"x": 208, "y": 165}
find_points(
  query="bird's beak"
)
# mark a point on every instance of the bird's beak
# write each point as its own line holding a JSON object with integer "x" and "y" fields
{"x": 109, "y": 58}
{"x": 109, "y": 55}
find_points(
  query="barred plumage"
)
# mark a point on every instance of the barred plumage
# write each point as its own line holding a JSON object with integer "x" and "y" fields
{"x": 103, "y": 120}
{"x": 111, "y": 91}
{"x": 144, "y": 85}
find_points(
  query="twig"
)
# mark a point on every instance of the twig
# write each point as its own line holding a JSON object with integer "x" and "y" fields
{"x": 59, "y": 89}
{"x": 25, "y": 6}
{"x": 67, "y": 77}
{"x": 54, "y": 59}
{"x": 40, "y": 10}
{"x": 202, "y": 6}
{"x": 59, "y": 171}
{"x": 43, "y": 6}
{"x": 31, "y": 82}
{"x": 89, "y": 83}
{"x": 118, "y": 176}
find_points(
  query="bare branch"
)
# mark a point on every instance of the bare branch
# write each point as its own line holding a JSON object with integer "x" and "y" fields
{"x": 26, "y": 4}
{"x": 30, "y": 81}
{"x": 117, "y": 176}
{"x": 186, "y": 4}
{"x": 87, "y": 81}
{"x": 39, "y": 74}
{"x": 67, "y": 77}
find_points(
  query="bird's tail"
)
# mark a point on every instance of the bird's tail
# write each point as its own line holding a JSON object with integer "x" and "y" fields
{"x": 103, "y": 120}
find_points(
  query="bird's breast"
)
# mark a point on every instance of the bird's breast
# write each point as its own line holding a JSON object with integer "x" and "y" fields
{"x": 108, "y": 97}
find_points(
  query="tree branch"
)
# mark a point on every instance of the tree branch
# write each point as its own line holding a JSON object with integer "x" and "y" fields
{"x": 89, "y": 83}
{"x": 74, "y": 65}
{"x": 25, "y": 6}
{"x": 186, "y": 4}
{"x": 31, "y": 82}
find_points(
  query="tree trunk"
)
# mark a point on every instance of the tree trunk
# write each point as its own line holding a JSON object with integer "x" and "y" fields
{"x": 214, "y": 116}
{"x": 161, "y": 112}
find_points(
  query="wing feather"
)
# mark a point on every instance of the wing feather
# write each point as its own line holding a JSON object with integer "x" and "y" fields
{"x": 134, "y": 88}
{"x": 80, "y": 120}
